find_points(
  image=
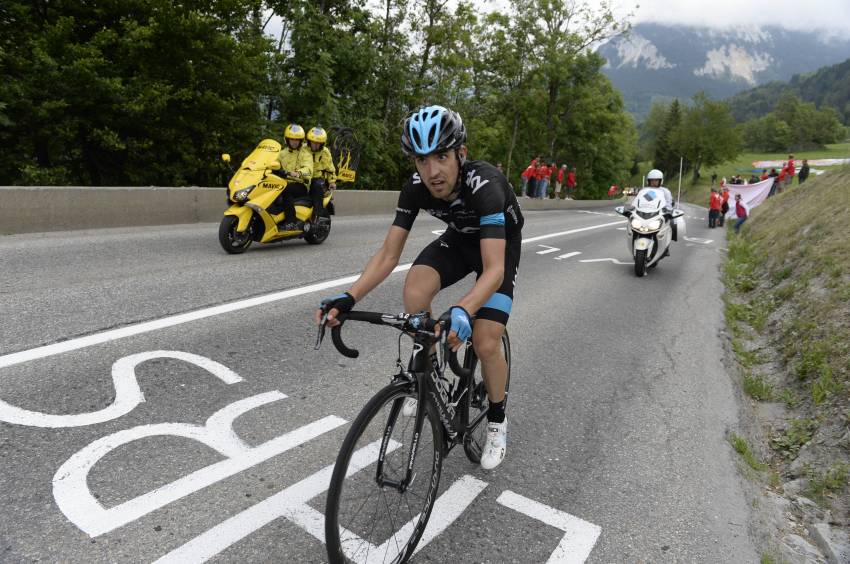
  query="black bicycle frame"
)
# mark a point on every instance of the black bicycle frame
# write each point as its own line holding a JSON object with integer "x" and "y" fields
{"x": 424, "y": 375}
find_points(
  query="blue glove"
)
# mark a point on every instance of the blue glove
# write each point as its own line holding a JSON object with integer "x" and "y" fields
{"x": 460, "y": 322}
{"x": 342, "y": 302}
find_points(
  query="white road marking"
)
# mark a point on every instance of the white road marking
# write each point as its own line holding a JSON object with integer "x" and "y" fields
{"x": 438, "y": 231}
{"x": 580, "y": 535}
{"x": 172, "y": 320}
{"x": 547, "y": 250}
{"x": 698, "y": 240}
{"x": 571, "y": 231}
{"x": 128, "y": 395}
{"x": 291, "y": 504}
{"x": 75, "y": 500}
{"x": 621, "y": 229}
{"x": 615, "y": 261}
{"x": 568, "y": 255}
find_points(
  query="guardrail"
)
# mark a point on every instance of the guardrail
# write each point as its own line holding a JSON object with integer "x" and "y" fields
{"x": 34, "y": 209}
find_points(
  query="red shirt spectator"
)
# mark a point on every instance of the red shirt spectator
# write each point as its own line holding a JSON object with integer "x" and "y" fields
{"x": 791, "y": 169}
{"x": 782, "y": 175}
{"x": 612, "y": 190}
{"x": 715, "y": 202}
{"x": 529, "y": 172}
{"x": 561, "y": 174}
{"x": 571, "y": 179}
{"x": 543, "y": 172}
{"x": 764, "y": 176}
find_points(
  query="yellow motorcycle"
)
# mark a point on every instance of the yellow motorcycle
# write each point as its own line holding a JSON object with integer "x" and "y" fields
{"x": 255, "y": 215}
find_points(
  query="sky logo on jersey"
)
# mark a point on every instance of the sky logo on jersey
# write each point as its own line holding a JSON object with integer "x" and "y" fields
{"x": 416, "y": 178}
{"x": 475, "y": 182}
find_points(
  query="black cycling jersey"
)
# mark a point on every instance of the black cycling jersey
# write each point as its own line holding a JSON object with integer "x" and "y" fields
{"x": 485, "y": 208}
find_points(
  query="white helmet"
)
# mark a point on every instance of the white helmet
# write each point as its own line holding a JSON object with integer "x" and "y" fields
{"x": 655, "y": 174}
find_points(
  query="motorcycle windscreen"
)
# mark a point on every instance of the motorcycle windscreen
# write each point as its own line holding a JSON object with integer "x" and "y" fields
{"x": 253, "y": 167}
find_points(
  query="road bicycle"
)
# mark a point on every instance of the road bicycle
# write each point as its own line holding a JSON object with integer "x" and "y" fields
{"x": 380, "y": 514}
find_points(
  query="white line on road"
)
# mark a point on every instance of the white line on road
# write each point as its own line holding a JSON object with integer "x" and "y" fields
{"x": 615, "y": 261}
{"x": 568, "y": 255}
{"x": 547, "y": 249}
{"x": 580, "y": 535}
{"x": 172, "y": 320}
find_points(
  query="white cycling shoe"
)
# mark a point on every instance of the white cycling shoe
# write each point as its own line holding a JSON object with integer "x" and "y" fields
{"x": 496, "y": 444}
{"x": 409, "y": 407}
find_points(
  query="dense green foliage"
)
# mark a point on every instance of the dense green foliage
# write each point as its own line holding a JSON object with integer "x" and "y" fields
{"x": 702, "y": 132}
{"x": 826, "y": 87}
{"x": 793, "y": 125}
{"x": 136, "y": 92}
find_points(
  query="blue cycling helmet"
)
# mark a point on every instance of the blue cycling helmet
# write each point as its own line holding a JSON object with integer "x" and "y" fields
{"x": 432, "y": 129}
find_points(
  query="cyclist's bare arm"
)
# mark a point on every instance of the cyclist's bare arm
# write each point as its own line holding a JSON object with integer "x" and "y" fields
{"x": 379, "y": 267}
{"x": 493, "y": 261}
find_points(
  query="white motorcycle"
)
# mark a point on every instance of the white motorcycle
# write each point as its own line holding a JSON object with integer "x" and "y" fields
{"x": 652, "y": 227}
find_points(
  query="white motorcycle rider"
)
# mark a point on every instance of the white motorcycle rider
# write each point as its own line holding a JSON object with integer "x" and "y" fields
{"x": 653, "y": 225}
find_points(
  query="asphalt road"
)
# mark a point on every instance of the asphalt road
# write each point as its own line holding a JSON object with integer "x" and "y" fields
{"x": 619, "y": 399}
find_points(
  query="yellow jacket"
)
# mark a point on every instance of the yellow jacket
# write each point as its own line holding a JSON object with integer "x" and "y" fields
{"x": 323, "y": 165}
{"x": 300, "y": 160}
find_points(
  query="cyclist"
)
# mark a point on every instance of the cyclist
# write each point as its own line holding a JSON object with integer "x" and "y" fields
{"x": 297, "y": 161}
{"x": 483, "y": 236}
{"x": 324, "y": 171}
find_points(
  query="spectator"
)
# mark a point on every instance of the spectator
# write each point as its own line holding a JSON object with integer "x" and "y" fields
{"x": 559, "y": 181}
{"x": 612, "y": 191}
{"x": 724, "y": 206}
{"x": 741, "y": 211}
{"x": 571, "y": 183}
{"x": 713, "y": 178}
{"x": 764, "y": 175}
{"x": 773, "y": 174}
{"x": 543, "y": 174}
{"x": 525, "y": 177}
{"x": 780, "y": 180}
{"x": 715, "y": 202}
{"x": 790, "y": 171}
{"x": 532, "y": 180}
{"x": 753, "y": 179}
{"x": 804, "y": 172}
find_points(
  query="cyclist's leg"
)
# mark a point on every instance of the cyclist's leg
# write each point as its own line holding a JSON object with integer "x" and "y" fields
{"x": 490, "y": 323}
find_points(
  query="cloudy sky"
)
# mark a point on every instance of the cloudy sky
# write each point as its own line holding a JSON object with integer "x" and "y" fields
{"x": 829, "y": 15}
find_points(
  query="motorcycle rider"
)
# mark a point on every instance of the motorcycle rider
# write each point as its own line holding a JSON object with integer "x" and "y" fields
{"x": 296, "y": 160}
{"x": 484, "y": 236}
{"x": 654, "y": 181}
{"x": 324, "y": 171}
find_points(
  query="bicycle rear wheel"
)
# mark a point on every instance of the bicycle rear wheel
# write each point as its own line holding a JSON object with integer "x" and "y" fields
{"x": 476, "y": 434}
{"x": 367, "y": 522}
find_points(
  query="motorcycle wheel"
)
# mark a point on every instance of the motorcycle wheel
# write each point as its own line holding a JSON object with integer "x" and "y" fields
{"x": 318, "y": 235}
{"x": 231, "y": 241}
{"x": 640, "y": 263}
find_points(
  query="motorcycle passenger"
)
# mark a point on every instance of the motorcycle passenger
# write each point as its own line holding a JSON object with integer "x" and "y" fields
{"x": 324, "y": 171}
{"x": 484, "y": 236}
{"x": 297, "y": 162}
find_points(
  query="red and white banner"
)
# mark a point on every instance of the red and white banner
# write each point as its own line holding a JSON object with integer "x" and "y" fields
{"x": 751, "y": 194}
{"x": 812, "y": 162}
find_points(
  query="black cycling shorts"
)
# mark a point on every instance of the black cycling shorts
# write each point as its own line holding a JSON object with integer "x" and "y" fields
{"x": 454, "y": 256}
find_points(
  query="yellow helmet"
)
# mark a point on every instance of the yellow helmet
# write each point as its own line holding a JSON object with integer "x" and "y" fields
{"x": 317, "y": 135}
{"x": 294, "y": 131}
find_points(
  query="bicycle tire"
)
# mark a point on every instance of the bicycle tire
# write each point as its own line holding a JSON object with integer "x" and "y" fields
{"x": 342, "y": 545}
{"x": 477, "y": 401}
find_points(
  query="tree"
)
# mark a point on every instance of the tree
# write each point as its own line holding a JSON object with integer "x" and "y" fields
{"x": 707, "y": 134}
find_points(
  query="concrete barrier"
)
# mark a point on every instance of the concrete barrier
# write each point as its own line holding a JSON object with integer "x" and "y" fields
{"x": 33, "y": 209}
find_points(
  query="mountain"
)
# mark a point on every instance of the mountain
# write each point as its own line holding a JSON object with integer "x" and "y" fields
{"x": 828, "y": 86}
{"x": 662, "y": 62}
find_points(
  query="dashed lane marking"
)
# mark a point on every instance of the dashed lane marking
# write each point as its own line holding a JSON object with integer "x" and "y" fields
{"x": 547, "y": 249}
{"x": 567, "y": 255}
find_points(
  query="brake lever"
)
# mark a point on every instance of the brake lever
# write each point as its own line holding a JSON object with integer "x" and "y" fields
{"x": 320, "y": 337}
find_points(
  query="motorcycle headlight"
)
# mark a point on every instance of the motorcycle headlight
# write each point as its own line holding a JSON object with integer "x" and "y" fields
{"x": 637, "y": 224}
{"x": 654, "y": 224}
{"x": 242, "y": 195}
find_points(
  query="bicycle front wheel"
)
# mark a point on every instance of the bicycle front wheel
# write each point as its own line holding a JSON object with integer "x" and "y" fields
{"x": 371, "y": 518}
{"x": 477, "y": 401}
